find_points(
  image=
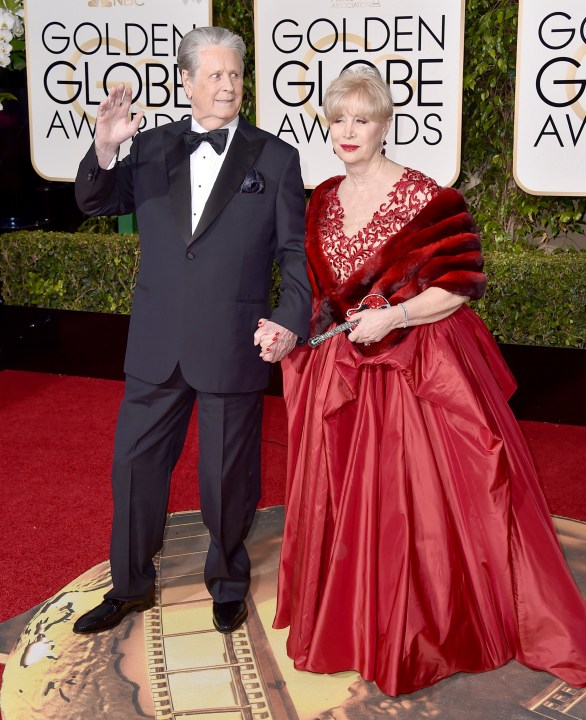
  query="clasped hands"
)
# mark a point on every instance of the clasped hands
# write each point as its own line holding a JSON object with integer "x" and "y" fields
{"x": 275, "y": 341}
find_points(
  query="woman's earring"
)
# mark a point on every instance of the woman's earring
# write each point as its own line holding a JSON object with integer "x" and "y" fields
{"x": 383, "y": 152}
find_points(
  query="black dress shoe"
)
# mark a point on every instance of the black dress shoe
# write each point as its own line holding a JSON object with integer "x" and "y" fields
{"x": 229, "y": 616}
{"x": 109, "y": 613}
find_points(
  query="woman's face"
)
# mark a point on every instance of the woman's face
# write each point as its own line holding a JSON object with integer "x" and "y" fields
{"x": 355, "y": 138}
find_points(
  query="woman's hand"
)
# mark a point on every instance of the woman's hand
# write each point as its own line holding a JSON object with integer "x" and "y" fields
{"x": 373, "y": 325}
{"x": 430, "y": 306}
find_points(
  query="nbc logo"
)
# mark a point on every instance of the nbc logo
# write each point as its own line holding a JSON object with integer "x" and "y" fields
{"x": 112, "y": 3}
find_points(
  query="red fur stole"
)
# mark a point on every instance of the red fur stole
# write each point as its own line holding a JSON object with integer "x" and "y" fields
{"x": 439, "y": 247}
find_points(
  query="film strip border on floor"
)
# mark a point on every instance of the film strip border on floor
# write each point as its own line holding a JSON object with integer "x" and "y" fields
{"x": 231, "y": 677}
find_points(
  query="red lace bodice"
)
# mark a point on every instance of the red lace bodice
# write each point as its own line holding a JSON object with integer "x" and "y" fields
{"x": 346, "y": 254}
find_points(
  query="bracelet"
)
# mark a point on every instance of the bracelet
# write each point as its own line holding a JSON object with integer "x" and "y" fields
{"x": 406, "y": 317}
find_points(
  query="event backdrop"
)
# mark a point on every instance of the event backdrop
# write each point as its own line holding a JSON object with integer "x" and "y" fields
{"x": 550, "y": 119}
{"x": 301, "y": 46}
{"x": 78, "y": 48}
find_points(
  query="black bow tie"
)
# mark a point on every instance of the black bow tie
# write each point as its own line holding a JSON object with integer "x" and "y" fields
{"x": 216, "y": 138}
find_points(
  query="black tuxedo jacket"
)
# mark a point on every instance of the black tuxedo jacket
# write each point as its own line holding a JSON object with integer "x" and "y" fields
{"x": 198, "y": 297}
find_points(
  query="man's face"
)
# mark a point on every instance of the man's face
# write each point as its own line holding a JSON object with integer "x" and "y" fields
{"x": 216, "y": 90}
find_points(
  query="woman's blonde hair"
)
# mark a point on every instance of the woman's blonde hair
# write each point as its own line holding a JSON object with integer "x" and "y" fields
{"x": 364, "y": 86}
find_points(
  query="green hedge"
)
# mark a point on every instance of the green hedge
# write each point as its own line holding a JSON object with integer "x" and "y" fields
{"x": 535, "y": 298}
{"x": 532, "y": 298}
{"x": 69, "y": 271}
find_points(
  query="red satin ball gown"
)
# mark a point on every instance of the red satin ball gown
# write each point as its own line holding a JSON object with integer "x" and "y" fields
{"x": 417, "y": 541}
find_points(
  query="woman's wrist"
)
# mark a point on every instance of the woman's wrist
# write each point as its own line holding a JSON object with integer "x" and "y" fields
{"x": 404, "y": 315}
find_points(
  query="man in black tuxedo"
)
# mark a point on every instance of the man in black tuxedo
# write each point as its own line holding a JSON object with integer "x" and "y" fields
{"x": 216, "y": 201}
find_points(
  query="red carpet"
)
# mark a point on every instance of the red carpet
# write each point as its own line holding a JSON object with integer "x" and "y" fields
{"x": 55, "y": 451}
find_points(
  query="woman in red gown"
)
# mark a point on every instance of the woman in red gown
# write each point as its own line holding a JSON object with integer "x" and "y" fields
{"x": 417, "y": 542}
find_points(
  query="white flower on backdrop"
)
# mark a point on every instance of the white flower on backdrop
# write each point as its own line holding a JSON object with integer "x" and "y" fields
{"x": 11, "y": 39}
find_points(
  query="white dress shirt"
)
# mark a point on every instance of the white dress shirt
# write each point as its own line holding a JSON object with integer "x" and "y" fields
{"x": 205, "y": 164}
